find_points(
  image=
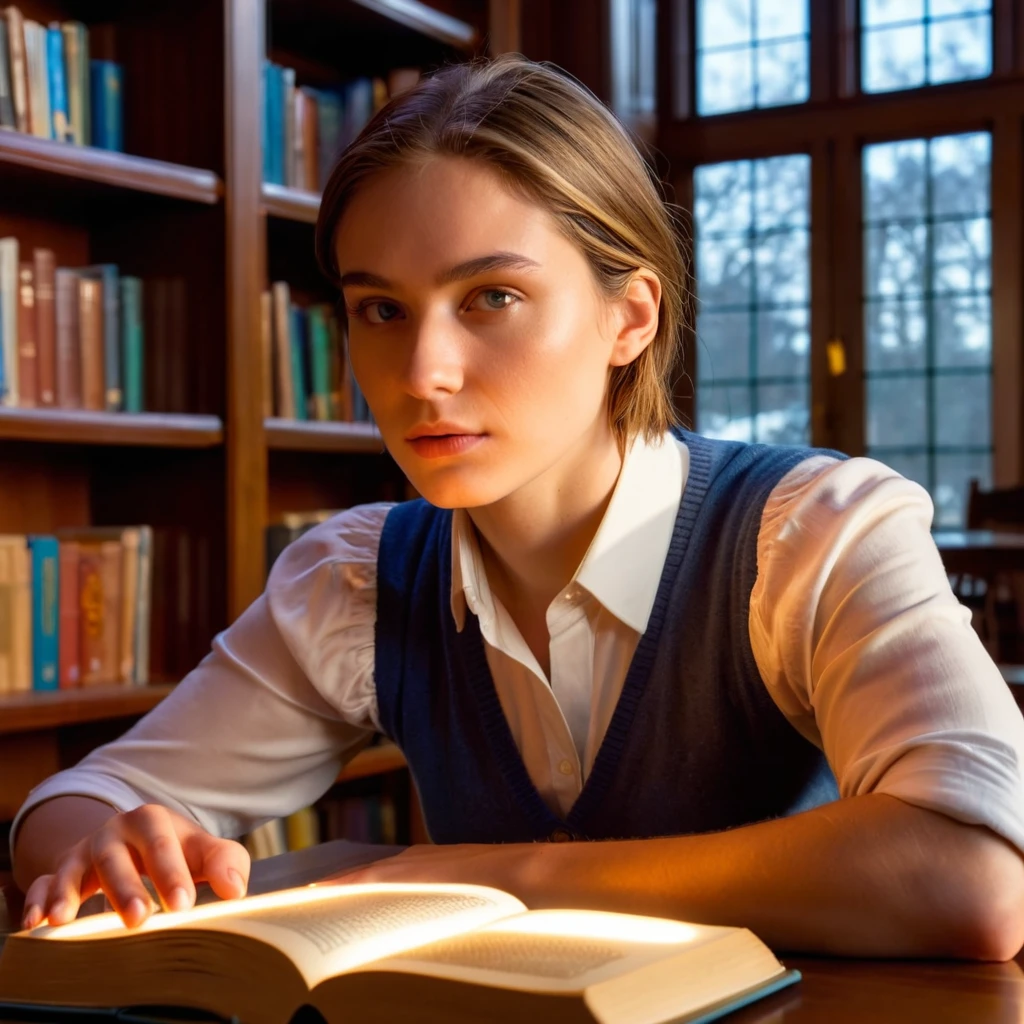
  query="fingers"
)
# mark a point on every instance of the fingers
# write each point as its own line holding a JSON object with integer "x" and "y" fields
{"x": 69, "y": 887}
{"x": 221, "y": 862}
{"x": 119, "y": 878}
{"x": 154, "y": 835}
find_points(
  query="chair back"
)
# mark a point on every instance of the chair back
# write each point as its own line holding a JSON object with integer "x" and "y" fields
{"x": 1001, "y": 509}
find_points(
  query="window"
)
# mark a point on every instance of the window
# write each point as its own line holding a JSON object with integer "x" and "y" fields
{"x": 634, "y": 43}
{"x": 927, "y": 316}
{"x": 751, "y": 228}
{"x": 751, "y": 53}
{"x": 909, "y": 43}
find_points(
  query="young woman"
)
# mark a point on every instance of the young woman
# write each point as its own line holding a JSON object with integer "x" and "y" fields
{"x": 737, "y": 670}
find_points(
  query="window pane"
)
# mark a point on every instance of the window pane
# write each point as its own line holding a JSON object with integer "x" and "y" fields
{"x": 753, "y": 284}
{"x": 953, "y": 473}
{"x": 751, "y": 53}
{"x": 928, "y": 311}
{"x": 909, "y": 43}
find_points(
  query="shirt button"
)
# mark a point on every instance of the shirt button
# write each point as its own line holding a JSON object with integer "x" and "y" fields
{"x": 565, "y": 767}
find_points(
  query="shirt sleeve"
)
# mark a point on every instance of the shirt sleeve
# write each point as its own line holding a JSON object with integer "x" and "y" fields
{"x": 262, "y": 726}
{"x": 864, "y": 647}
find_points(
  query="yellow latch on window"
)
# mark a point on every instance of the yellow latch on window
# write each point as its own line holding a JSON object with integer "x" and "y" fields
{"x": 836, "y": 357}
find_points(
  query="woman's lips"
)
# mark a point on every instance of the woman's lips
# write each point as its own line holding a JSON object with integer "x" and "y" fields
{"x": 439, "y": 446}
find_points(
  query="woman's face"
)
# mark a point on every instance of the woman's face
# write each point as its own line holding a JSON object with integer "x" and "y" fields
{"x": 476, "y": 332}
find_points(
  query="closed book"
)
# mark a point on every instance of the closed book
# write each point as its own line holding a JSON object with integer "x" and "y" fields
{"x": 91, "y": 611}
{"x": 108, "y": 274}
{"x": 111, "y": 559}
{"x": 283, "y": 349}
{"x": 76, "y": 64}
{"x": 129, "y": 604}
{"x": 45, "y": 611}
{"x": 28, "y": 373}
{"x": 143, "y": 606}
{"x": 132, "y": 344}
{"x": 107, "y": 114}
{"x": 267, "y": 353}
{"x": 7, "y": 119}
{"x": 274, "y": 120}
{"x": 288, "y": 116}
{"x": 299, "y": 349}
{"x": 90, "y": 330}
{"x": 265, "y": 125}
{"x": 320, "y": 352}
{"x": 330, "y": 126}
{"x": 38, "y": 79}
{"x": 46, "y": 325}
{"x": 6, "y": 619}
{"x": 69, "y": 349}
{"x": 21, "y": 614}
{"x": 306, "y": 173}
{"x": 69, "y": 670}
{"x": 19, "y": 67}
{"x": 9, "y": 293}
{"x": 60, "y": 122}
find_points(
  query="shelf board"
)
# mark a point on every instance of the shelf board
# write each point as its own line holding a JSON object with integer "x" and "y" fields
{"x": 31, "y": 710}
{"x": 61, "y": 160}
{"x": 318, "y": 436}
{"x": 385, "y": 757}
{"x": 291, "y": 203}
{"x": 79, "y": 426}
{"x": 426, "y": 20}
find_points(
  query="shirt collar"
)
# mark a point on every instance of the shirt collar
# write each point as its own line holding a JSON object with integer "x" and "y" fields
{"x": 622, "y": 567}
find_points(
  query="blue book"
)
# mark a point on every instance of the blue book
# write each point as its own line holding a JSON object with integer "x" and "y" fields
{"x": 277, "y": 125}
{"x": 265, "y": 75}
{"x": 61, "y": 122}
{"x": 132, "y": 344}
{"x": 298, "y": 341}
{"x": 44, "y": 553}
{"x": 107, "y": 107}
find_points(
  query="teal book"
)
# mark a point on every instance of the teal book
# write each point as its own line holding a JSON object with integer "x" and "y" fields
{"x": 133, "y": 344}
{"x": 57, "y": 70}
{"x": 108, "y": 274}
{"x": 320, "y": 361}
{"x": 330, "y": 117}
{"x": 44, "y": 552}
{"x": 298, "y": 342}
{"x": 274, "y": 124}
{"x": 107, "y": 108}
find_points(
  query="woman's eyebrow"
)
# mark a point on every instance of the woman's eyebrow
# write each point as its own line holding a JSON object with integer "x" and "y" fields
{"x": 460, "y": 272}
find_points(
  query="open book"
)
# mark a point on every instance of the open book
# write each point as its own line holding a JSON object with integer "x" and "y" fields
{"x": 425, "y": 953}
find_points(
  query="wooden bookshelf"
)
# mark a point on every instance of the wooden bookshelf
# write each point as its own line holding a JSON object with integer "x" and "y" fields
{"x": 318, "y": 436}
{"x": 77, "y": 426}
{"x": 290, "y": 203}
{"x": 30, "y": 711}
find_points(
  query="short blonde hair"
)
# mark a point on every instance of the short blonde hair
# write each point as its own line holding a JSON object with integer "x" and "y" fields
{"x": 555, "y": 143}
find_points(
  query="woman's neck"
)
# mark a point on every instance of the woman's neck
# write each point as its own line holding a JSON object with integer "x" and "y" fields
{"x": 534, "y": 540}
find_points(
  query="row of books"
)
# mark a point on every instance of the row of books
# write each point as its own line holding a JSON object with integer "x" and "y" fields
{"x": 50, "y": 88}
{"x": 71, "y": 338}
{"x": 305, "y": 373}
{"x": 360, "y": 819}
{"x": 75, "y": 608}
{"x": 305, "y": 129}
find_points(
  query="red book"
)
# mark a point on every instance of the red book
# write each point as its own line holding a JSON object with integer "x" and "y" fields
{"x": 70, "y": 670}
{"x": 46, "y": 325}
{"x": 69, "y": 359}
{"x": 28, "y": 378}
{"x": 91, "y": 608}
{"x": 90, "y": 338}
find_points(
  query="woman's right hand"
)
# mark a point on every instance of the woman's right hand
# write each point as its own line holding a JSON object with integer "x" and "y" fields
{"x": 151, "y": 840}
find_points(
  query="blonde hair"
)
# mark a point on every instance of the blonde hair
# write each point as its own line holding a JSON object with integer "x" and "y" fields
{"x": 554, "y": 142}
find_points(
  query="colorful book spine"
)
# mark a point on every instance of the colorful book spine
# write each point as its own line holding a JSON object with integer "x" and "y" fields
{"x": 6, "y": 98}
{"x": 21, "y": 615}
{"x": 9, "y": 289}
{"x": 108, "y": 275}
{"x": 38, "y": 80}
{"x": 58, "y": 84}
{"x": 90, "y": 328}
{"x": 69, "y": 357}
{"x": 27, "y": 363}
{"x": 275, "y": 126}
{"x": 69, "y": 640}
{"x": 76, "y": 63}
{"x": 46, "y": 325}
{"x": 91, "y": 609}
{"x": 45, "y": 612}
{"x": 144, "y": 606}
{"x": 132, "y": 344}
{"x": 19, "y": 68}
{"x": 320, "y": 352}
{"x": 107, "y": 113}
{"x": 298, "y": 361}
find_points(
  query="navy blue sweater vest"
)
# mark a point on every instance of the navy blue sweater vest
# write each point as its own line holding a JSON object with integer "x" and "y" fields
{"x": 695, "y": 743}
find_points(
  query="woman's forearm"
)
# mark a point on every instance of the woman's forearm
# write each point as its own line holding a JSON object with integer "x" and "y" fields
{"x": 50, "y": 829}
{"x": 866, "y": 876}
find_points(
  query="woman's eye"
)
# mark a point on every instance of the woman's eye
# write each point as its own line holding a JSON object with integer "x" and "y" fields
{"x": 495, "y": 299}
{"x": 385, "y": 312}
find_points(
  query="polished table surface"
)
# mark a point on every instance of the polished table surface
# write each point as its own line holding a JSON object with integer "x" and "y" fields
{"x": 980, "y": 550}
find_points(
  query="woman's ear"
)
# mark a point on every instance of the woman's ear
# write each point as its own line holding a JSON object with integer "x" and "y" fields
{"x": 637, "y": 317}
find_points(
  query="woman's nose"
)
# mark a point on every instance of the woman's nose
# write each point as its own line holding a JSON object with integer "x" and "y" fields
{"x": 434, "y": 366}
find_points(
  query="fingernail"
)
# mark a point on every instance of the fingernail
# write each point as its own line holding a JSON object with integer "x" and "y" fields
{"x": 135, "y": 912}
{"x": 33, "y": 915}
{"x": 236, "y": 878}
{"x": 179, "y": 899}
{"x": 58, "y": 911}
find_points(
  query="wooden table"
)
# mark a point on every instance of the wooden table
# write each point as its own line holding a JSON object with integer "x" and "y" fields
{"x": 981, "y": 551}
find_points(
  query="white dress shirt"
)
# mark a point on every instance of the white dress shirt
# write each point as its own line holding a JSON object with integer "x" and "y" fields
{"x": 857, "y": 636}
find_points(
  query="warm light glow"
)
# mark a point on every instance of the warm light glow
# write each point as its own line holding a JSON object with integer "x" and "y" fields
{"x": 595, "y": 924}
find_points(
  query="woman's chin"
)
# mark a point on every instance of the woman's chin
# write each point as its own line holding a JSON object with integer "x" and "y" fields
{"x": 456, "y": 493}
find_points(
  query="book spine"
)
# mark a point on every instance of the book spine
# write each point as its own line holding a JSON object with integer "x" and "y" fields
{"x": 275, "y": 124}
{"x": 111, "y": 558}
{"x": 282, "y": 349}
{"x": 265, "y": 118}
{"x": 144, "y": 607}
{"x": 6, "y": 618}
{"x": 288, "y": 118}
{"x": 21, "y": 607}
{"x": 58, "y": 84}
{"x": 9, "y": 291}
{"x": 298, "y": 360}
{"x": 107, "y": 120}
{"x": 113, "y": 392}
{"x": 28, "y": 389}
{"x": 90, "y": 325}
{"x": 45, "y": 612}
{"x": 330, "y": 121}
{"x": 267, "y": 352}
{"x": 132, "y": 345}
{"x": 320, "y": 343}
{"x": 91, "y": 610}
{"x": 7, "y": 118}
{"x": 69, "y": 359}
{"x": 297, "y": 154}
{"x": 69, "y": 629}
{"x": 129, "y": 605}
{"x": 73, "y": 81}
{"x": 38, "y": 79}
{"x": 310, "y": 133}
{"x": 46, "y": 326}
{"x": 19, "y": 68}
